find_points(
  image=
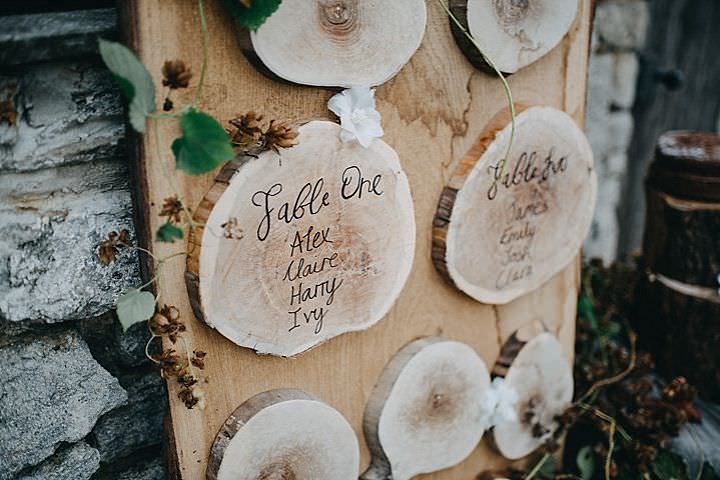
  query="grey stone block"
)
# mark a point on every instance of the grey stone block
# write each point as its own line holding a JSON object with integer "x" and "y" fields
{"x": 51, "y": 391}
{"x": 67, "y": 113}
{"x": 138, "y": 424}
{"x": 77, "y": 462}
{"x": 53, "y": 35}
{"x": 51, "y": 223}
{"x": 622, "y": 24}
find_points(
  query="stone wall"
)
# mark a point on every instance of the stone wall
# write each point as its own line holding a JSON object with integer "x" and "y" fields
{"x": 618, "y": 35}
{"x": 79, "y": 400}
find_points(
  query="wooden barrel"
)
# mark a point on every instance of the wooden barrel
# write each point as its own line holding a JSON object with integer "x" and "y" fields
{"x": 678, "y": 302}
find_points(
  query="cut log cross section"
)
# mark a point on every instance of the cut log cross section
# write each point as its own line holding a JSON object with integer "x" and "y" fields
{"x": 542, "y": 377}
{"x": 425, "y": 413}
{"x": 284, "y": 434}
{"x": 302, "y": 246}
{"x": 502, "y": 231}
{"x": 511, "y": 33}
{"x": 338, "y": 43}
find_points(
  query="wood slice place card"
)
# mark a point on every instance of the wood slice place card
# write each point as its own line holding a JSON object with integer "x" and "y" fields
{"x": 303, "y": 245}
{"x": 426, "y": 411}
{"x": 284, "y": 434}
{"x": 511, "y": 33}
{"x": 502, "y": 229}
{"x": 337, "y": 43}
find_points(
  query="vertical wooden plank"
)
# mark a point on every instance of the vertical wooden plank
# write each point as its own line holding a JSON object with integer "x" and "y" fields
{"x": 432, "y": 112}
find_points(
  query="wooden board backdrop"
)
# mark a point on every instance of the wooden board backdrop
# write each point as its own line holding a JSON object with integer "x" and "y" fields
{"x": 431, "y": 112}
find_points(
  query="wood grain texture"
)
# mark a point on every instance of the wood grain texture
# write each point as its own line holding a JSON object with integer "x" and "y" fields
{"x": 432, "y": 113}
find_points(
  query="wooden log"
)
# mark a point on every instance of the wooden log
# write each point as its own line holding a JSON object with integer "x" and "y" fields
{"x": 284, "y": 434}
{"x": 502, "y": 231}
{"x": 542, "y": 377}
{"x": 510, "y": 33}
{"x": 338, "y": 43}
{"x": 678, "y": 304}
{"x": 425, "y": 413}
{"x": 327, "y": 242}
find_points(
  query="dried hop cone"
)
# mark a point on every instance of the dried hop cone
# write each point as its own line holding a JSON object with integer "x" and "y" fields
{"x": 172, "y": 208}
{"x": 176, "y": 74}
{"x": 280, "y": 135}
{"x": 247, "y": 130}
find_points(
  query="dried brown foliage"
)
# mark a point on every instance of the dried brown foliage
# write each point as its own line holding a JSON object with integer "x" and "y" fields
{"x": 176, "y": 74}
{"x": 172, "y": 208}
{"x": 8, "y": 113}
{"x": 249, "y": 134}
{"x": 111, "y": 245}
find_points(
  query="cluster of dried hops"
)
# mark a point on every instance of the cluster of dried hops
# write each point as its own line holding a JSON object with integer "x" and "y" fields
{"x": 110, "y": 246}
{"x": 176, "y": 75}
{"x": 250, "y": 135}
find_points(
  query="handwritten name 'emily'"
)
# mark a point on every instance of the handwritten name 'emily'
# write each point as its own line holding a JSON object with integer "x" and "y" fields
{"x": 527, "y": 168}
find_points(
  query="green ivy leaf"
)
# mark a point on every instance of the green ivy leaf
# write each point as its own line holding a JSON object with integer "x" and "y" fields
{"x": 134, "y": 81}
{"x": 670, "y": 466}
{"x": 585, "y": 310}
{"x": 168, "y": 232}
{"x": 135, "y": 306}
{"x": 586, "y": 462}
{"x": 254, "y": 16}
{"x": 204, "y": 145}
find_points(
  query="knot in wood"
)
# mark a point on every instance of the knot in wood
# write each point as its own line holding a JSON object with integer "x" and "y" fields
{"x": 277, "y": 471}
{"x": 338, "y": 17}
{"x": 511, "y": 12}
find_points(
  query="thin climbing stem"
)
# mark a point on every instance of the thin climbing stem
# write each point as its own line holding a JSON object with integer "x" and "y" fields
{"x": 505, "y": 84}
{"x": 611, "y": 447}
{"x": 604, "y": 416}
{"x": 205, "y": 41}
{"x": 538, "y": 466}
{"x": 616, "y": 378}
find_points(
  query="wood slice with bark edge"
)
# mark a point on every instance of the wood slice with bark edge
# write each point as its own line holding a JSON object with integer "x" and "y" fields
{"x": 337, "y": 43}
{"x": 242, "y": 288}
{"x": 498, "y": 248}
{"x": 542, "y": 377}
{"x": 284, "y": 434}
{"x": 425, "y": 413}
{"x": 511, "y": 33}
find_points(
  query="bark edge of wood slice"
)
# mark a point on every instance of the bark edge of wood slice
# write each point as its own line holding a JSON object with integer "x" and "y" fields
{"x": 337, "y": 43}
{"x": 284, "y": 434}
{"x": 542, "y": 377}
{"x": 511, "y": 33}
{"x": 498, "y": 240}
{"x": 425, "y": 412}
{"x": 287, "y": 286}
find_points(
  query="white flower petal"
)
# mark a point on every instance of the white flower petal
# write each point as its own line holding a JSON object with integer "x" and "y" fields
{"x": 340, "y": 104}
{"x": 358, "y": 117}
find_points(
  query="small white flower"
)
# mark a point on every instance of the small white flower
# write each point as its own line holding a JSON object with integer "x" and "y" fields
{"x": 499, "y": 403}
{"x": 358, "y": 118}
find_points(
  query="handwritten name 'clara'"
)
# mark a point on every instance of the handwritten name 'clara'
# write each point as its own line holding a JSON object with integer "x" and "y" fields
{"x": 311, "y": 198}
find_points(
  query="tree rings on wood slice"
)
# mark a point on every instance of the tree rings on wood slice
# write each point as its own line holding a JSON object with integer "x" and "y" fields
{"x": 511, "y": 33}
{"x": 502, "y": 231}
{"x": 339, "y": 43}
{"x": 302, "y": 246}
{"x": 284, "y": 435}
{"x": 425, "y": 413}
{"x": 542, "y": 378}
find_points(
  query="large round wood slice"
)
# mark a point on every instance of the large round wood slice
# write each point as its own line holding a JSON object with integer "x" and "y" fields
{"x": 499, "y": 238}
{"x": 511, "y": 33}
{"x": 339, "y": 43}
{"x": 284, "y": 435}
{"x": 426, "y": 412}
{"x": 326, "y": 243}
{"x": 542, "y": 377}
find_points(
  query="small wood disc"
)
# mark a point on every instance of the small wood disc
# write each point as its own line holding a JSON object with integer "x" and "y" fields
{"x": 302, "y": 246}
{"x": 511, "y": 33}
{"x": 542, "y": 377}
{"x": 425, "y": 413}
{"x": 500, "y": 232}
{"x": 339, "y": 43}
{"x": 284, "y": 435}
